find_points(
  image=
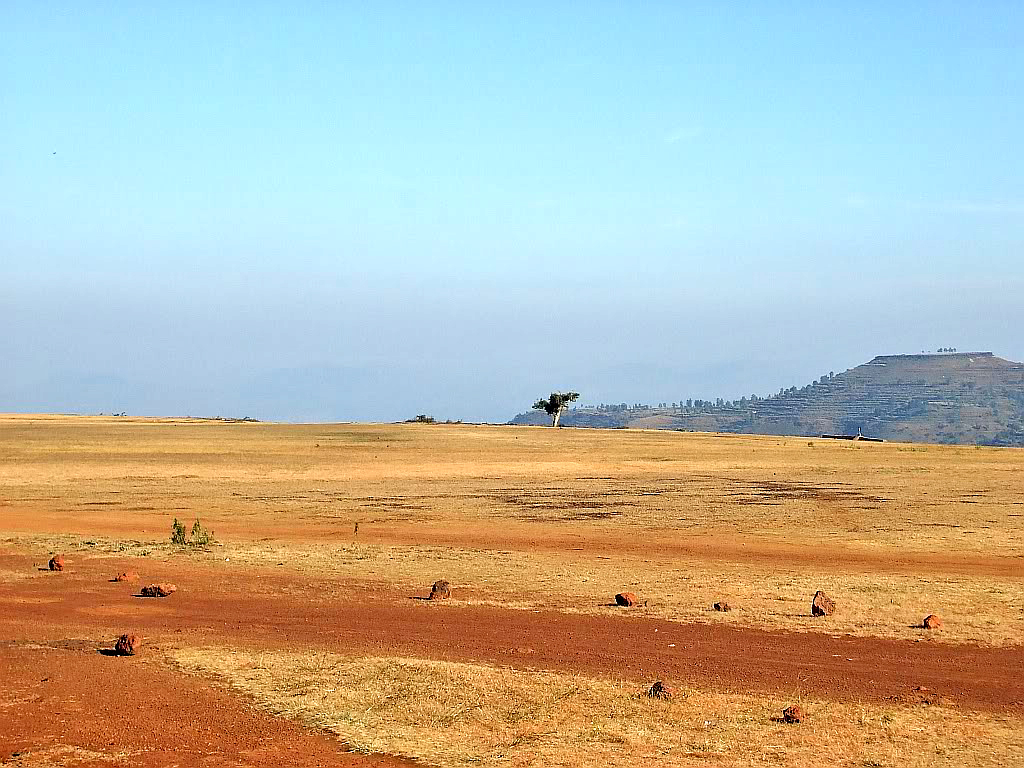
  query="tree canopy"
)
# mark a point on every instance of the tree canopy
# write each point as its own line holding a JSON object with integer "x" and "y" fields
{"x": 555, "y": 404}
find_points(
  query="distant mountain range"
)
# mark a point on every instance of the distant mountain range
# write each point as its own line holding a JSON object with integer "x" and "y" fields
{"x": 963, "y": 397}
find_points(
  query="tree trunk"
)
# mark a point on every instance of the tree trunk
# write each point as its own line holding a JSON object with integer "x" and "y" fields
{"x": 555, "y": 417}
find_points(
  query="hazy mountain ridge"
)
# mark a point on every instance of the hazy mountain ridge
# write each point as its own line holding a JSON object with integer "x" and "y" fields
{"x": 965, "y": 397}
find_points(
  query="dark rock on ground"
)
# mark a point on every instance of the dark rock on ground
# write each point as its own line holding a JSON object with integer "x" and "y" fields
{"x": 441, "y": 590}
{"x": 158, "y": 590}
{"x": 793, "y": 714}
{"x": 661, "y": 691}
{"x": 127, "y": 645}
{"x": 822, "y": 605}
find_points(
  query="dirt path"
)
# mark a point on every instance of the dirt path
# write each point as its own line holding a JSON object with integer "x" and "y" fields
{"x": 74, "y": 706}
{"x": 282, "y": 610}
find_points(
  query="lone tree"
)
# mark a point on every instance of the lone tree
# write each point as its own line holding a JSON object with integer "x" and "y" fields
{"x": 555, "y": 404}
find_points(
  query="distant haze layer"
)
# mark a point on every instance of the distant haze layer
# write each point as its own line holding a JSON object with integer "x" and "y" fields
{"x": 371, "y": 211}
{"x": 459, "y": 351}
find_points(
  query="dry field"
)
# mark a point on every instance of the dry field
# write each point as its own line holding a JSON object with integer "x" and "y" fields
{"x": 325, "y": 533}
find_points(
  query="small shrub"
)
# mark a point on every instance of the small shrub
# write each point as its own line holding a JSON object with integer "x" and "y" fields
{"x": 178, "y": 537}
{"x": 200, "y": 537}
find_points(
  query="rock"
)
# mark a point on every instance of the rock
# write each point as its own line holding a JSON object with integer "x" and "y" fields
{"x": 127, "y": 645}
{"x": 723, "y": 607}
{"x": 931, "y": 621}
{"x": 124, "y": 576}
{"x": 158, "y": 590}
{"x": 661, "y": 691}
{"x": 56, "y": 563}
{"x": 627, "y": 599}
{"x": 441, "y": 590}
{"x": 793, "y": 714}
{"x": 822, "y": 605}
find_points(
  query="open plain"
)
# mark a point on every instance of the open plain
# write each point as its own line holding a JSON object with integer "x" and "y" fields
{"x": 302, "y": 635}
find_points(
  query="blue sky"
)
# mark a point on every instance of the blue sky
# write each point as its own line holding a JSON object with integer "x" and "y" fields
{"x": 336, "y": 212}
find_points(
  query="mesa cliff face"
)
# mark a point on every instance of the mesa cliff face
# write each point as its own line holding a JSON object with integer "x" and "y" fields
{"x": 967, "y": 397}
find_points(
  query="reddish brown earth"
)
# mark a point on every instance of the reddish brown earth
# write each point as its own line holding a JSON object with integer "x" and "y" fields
{"x": 74, "y": 697}
{"x": 254, "y": 608}
{"x": 40, "y": 519}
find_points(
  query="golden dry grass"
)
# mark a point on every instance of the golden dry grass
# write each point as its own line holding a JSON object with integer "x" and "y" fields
{"x": 450, "y": 714}
{"x": 117, "y": 474}
{"x": 568, "y": 517}
{"x": 976, "y": 610}
{"x": 529, "y": 517}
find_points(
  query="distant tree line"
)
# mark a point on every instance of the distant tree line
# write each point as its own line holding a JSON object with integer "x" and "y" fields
{"x": 698, "y": 405}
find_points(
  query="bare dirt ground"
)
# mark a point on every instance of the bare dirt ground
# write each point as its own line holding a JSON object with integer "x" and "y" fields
{"x": 222, "y": 606}
{"x": 69, "y": 705}
{"x": 328, "y": 534}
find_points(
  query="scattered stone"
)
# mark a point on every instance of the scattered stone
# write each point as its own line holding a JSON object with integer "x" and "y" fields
{"x": 127, "y": 644}
{"x": 56, "y": 563}
{"x": 124, "y": 576}
{"x": 723, "y": 607}
{"x": 627, "y": 599}
{"x": 793, "y": 714}
{"x": 441, "y": 590}
{"x": 822, "y": 605}
{"x": 931, "y": 621}
{"x": 158, "y": 590}
{"x": 661, "y": 691}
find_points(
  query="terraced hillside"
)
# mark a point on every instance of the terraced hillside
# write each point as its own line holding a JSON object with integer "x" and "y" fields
{"x": 968, "y": 397}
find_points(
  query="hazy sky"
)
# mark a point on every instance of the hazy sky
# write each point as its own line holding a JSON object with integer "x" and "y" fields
{"x": 369, "y": 211}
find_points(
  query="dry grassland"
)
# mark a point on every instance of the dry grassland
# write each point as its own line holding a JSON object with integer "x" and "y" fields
{"x": 566, "y": 518}
{"x": 451, "y": 714}
{"x": 563, "y": 519}
{"x": 976, "y": 610}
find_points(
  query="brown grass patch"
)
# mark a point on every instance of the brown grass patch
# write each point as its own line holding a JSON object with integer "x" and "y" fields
{"x": 976, "y": 610}
{"x": 451, "y": 714}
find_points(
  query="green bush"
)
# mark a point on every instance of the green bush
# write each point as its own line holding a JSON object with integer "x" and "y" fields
{"x": 200, "y": 537}
{"x": 178, "y": 537}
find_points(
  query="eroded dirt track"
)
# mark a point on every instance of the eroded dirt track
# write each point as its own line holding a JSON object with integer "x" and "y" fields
{"x": 269, "y": 609}
{"x": 71, "y": 705}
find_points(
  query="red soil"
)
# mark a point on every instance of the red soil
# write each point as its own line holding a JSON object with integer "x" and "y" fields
{"x": 74, "y": 697}
{"x": 264, "y": 609}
